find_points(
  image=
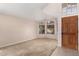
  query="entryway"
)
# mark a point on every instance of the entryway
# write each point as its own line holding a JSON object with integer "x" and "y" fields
{"x": 70, "y": 32}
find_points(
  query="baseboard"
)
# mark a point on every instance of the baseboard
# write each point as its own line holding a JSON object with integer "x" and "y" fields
{"x": 13, "y": 43}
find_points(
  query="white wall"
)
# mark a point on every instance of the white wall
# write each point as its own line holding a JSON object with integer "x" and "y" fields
{"x": 78, "y": 24}
{"x": 54, "y": 10}
{"x": 14, "y": 30}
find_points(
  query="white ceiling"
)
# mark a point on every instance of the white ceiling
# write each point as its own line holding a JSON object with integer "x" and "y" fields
{"x": 26, "y": 10}
{"x": 30, "y": 10}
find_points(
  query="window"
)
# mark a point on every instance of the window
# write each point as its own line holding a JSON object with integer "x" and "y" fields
{"x": 69, "y": 8}
{"x": 50, "y": 29}
{"x": 46, "y": 27}
{"x": 41, "y": 29}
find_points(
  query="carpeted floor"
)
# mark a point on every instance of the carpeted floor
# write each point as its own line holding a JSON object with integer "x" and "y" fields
{"x": 36, "y": 47}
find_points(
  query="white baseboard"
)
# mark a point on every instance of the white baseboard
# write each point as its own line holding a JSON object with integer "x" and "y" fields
{"x": 12, "y": 43}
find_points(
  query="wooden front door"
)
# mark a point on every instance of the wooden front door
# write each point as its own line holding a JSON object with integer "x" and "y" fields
{"x": 70, "y": 32}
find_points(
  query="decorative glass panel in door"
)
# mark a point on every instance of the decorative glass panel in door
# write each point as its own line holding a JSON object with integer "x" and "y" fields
{"x": 41, "y": 29}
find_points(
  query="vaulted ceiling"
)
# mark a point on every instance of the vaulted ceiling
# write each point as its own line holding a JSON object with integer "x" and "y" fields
{"x": 30, "y": 10}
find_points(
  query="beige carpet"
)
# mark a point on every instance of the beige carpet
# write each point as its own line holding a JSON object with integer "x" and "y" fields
{"x": 36, "y": 47}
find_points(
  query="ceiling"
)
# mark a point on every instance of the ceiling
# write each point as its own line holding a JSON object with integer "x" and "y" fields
{"x": 30, "y": 10}
{"x": 25, "y": 10}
